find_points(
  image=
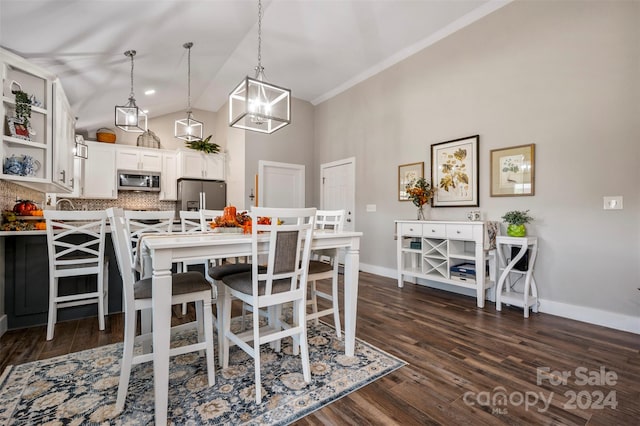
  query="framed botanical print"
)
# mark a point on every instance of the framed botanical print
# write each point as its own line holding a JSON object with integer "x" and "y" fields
{"x": 408, "y": 173}
{"x": 512, "y": 171}
{"x": 454, "y": 172}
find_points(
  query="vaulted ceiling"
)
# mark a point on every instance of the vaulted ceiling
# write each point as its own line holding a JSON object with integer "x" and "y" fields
{"x": 317, "y": 48}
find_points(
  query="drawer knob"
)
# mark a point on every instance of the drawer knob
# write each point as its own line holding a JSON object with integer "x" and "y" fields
{"x": 433, "y": 230}
{"x": 457, "y": 232}
{"x": 410, "y": 229}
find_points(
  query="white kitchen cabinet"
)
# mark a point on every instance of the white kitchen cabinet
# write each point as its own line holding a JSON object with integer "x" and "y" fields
{"x": 141, "y": 159}
{"x": 431, "y": 250}
{"x": 64, "y": 125}
{"x": 169, "y": 177}
{"x": 18, "y": 73}
{"x": 197, "y": 165}
{"x": 99, "y": 176}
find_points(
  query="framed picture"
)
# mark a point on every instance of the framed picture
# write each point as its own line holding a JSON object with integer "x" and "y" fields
{"x": 454, "y": 172}
{"x": 408, "y": 173}
{"x": 17, "y": 129}
{"x": 512, "y": 171}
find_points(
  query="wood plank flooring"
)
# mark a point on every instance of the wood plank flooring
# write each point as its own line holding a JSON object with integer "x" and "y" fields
{"x": 462, "y": 359}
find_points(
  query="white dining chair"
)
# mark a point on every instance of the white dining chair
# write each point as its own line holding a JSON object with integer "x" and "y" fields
{"x": 282, "y": 280}
{"x": 140, "y": 222}
{"x": 324, "y": 265}
{"x": 76, "y": 244}
{"x": 186, "y": 287}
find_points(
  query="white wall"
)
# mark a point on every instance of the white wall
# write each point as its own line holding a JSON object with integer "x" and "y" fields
{"x": 562, "y": 75}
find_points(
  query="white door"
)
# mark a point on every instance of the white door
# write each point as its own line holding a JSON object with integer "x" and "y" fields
{"x": 280, "y": 184}
{"x": 337, "y": 188}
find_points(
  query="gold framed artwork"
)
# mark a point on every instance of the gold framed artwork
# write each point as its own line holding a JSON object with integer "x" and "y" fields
{"x": 513, "y": 171}
{"x": 454, "y": 172}
{"x": 408, "y": 173}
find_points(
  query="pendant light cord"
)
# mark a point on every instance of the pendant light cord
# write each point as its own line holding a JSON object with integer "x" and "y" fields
{"x": 259, "y": 34}
{"x": 131, "y": 55}
{"x": 188, "y": 46}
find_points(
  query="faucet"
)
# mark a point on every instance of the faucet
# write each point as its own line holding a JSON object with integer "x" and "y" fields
{"x": 68, "y": 201}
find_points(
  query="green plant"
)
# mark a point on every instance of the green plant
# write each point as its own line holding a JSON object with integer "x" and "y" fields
{"x": 517, "y": 217}
{"x": 204, "y": 145}
{"x": 23, "y": 107}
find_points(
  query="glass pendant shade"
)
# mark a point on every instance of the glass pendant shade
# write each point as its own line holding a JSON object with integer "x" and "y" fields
{"x": 129, "y": 117}
{"x": 259, "y": 106}
{"x": 188, "y": 129}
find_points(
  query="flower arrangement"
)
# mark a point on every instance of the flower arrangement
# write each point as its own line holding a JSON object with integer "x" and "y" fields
{"x": 420, "y": 192}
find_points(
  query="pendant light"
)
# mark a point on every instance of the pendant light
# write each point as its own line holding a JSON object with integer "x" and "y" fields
{"x": 129, "y": 117}
{"x": 188, "y": 129}
{"x": 257, "y": 105}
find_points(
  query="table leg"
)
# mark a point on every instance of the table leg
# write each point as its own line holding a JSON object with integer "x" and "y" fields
{"x": 351, "y": 270}
{"x": 220, "y": 313}
{"x": 161, "y": 303}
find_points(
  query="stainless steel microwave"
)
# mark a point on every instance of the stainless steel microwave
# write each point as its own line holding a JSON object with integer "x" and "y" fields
{"x": 132, "y": 180}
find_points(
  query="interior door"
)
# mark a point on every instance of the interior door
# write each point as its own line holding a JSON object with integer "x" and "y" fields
{"x": 280, "y": 184}
{"x": 337, "y": 180}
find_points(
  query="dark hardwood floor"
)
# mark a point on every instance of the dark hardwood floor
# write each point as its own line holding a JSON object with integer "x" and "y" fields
{"x": 463, "y": 362}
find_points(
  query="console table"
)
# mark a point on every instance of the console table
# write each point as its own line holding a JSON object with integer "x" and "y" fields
{"x": 519, "y": 265}
{"x": 429, "y": 249}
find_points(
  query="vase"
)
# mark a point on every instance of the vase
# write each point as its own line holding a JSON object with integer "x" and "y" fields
{"x": 516, "y": 230}
{"x": 421, "y": 215}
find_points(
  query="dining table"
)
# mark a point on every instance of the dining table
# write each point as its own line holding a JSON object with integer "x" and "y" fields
{"x": 159, "y": 252}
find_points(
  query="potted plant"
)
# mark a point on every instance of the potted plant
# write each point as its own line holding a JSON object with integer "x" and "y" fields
{"x": 516, "y": 220}
{"x": 23, "y": 107}
{"x": 204, "y": 145}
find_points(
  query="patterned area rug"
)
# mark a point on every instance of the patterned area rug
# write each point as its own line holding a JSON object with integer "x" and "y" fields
{"x": 80, "y": 388}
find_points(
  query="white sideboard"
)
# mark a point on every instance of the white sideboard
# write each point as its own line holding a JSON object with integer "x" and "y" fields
{"x": 428, "y": 250}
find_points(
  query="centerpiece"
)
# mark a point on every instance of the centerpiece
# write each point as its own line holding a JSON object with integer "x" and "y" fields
{"x": 231, "y": 221}
{"x": 420, "y": 192}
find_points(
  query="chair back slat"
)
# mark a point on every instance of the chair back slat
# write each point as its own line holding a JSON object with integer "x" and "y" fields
{"x": 146, "y": 222}
{"x": 123, "y": 250}
{"x": 206, "y": 217}
{"x": 190, "y": 220}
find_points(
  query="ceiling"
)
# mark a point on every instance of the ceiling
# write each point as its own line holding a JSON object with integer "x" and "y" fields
{"x": 316, "y": 48}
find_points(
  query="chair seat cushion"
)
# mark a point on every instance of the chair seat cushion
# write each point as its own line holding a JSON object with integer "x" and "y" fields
{"x": 219, "y": 272}
{"x": 242, "y": 282}
{"x": 182, "y": 283}
{"x": 317, "y": 267}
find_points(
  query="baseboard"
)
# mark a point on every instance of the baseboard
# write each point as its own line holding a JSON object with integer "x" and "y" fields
{"x": 591, "y": 315}
{"x": 575, "y": 312}
{"x": 3, "y": 325}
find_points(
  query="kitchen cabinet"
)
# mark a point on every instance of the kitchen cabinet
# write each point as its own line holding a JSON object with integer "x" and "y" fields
{"x": 169, "y": 177}
{"x": 26, "y": 278}
{"x": 64, "y": 128}
{"x": 138, "y": 159}
{"x": 99, "y": 175}
{"x": 197, "y": 165}
{"x": 36, "y": 141}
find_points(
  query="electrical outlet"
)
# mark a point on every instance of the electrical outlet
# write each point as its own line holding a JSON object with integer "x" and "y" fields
{"x": 612, "y": 202}
{"x": 371, "y": 207}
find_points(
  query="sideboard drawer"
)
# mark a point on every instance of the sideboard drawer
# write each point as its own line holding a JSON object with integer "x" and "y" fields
{"x": 411, "y": 229}
{"x": 434, "y": 230}
{"x": 460, "y": 232}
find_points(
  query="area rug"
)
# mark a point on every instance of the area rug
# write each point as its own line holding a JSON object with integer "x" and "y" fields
{"x": 80, "y": 388}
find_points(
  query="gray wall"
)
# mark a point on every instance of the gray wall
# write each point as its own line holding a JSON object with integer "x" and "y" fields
{"x": 562, "y": 75}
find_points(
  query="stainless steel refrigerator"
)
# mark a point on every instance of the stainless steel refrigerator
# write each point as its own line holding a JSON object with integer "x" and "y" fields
{"x": 194, "y": 194}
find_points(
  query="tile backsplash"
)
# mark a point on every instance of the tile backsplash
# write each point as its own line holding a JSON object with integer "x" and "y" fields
{"x": 128, "y": 200}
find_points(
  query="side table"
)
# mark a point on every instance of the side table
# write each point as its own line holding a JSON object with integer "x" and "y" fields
{"x": 528, "y": 298}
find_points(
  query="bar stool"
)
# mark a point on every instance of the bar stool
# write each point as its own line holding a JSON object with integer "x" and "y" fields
{"x": 76, "y": 242}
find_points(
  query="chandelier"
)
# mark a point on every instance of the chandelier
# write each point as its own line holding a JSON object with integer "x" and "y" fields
{"x": 129, "y": 117}
{"x": 257, "y": 105}
{"x": 187, "y": 128}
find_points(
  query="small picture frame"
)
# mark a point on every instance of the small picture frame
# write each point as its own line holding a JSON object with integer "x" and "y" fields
{"x": 17, "y": 129}
{"x": 513, "y": 171}
{"x": 454, "y": 172}
{"x": 408, "y": 173}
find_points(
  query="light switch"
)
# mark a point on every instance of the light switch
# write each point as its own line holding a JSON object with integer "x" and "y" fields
{"x": 371, "y": 207}
{"x": 613, "y": 202}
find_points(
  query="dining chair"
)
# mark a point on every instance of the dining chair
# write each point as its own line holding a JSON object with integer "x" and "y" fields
{"x": 190, "y": 222}
{"x": 76, "y": 243}
{"x": 286, "y": 248}
{"x": 324, "y": 265}
{"x": 144, "y": 222}
{"x": 186, "y": 287}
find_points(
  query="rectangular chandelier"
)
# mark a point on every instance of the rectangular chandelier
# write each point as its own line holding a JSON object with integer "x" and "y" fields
{"x": 188, "y": 129}
{"x": 130, "y": 118}
{"x": 259, "y": 106}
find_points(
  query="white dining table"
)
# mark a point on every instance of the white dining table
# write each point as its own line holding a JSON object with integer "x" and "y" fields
{"x": 161, "y": 251}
